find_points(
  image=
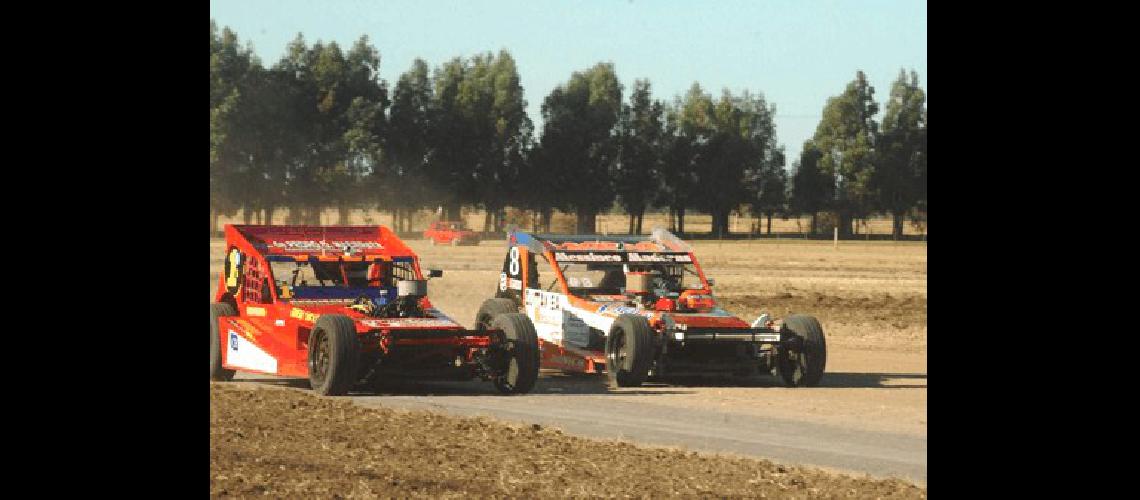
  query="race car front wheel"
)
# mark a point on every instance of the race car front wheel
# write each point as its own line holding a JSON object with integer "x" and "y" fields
{"x": 333, "y": 353}
{"x": 801, "y": 361}
{"x": 629, "y": 351}
{"x": 520, "y": 347}
{"x": 217, "y": 311}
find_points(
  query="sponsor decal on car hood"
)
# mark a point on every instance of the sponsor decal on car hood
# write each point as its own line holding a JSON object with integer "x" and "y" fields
{"x": 409, "y": 323}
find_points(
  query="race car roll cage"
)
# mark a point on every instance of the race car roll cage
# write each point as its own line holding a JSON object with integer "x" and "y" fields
{"x": 545, "y": 245}
{"x": 255, "y": 277}
{"x": 342, "y": 285}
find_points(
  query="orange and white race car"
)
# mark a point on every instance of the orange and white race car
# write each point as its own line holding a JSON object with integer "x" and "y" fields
{"x": 639, "y": 307}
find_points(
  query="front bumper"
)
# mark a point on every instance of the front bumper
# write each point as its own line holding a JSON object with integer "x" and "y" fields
{"x": 707, "y": 351}
{"x": 387, "y": 339}
{"x": 753, "y": 335}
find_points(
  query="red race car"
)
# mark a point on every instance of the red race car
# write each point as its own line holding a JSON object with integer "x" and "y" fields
{"x": 347, "y": 304}
{"x": 451, "y": 233}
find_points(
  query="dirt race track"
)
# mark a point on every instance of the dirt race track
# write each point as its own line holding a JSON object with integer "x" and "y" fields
{"x": 868, "y": 416}
{"x": 282, "y": 443}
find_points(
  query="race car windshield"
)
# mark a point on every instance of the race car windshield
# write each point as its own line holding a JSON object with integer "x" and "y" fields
{"x": 331, "y": 279}
{"x": 610, "y": 278}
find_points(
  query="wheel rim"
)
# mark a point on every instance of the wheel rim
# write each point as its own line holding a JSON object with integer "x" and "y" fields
{"x": 800, "y": 365}
{"x": 794, "y": 364}
{"x": 617, "y": 355}
{"x": 319, "y": 366}
{"x": 506, "y": 349}
{"x": 512, "y": 373}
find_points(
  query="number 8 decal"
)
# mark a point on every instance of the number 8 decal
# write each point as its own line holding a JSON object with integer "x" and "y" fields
{"x": 514, "y": 261}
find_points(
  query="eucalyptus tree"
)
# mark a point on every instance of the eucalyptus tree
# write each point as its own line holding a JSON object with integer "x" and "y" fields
{"x": 846, "y": 137}
{"x": 579, "y": 144}
{"x": 812, "y": 190}
{"x": 687, "y": 132}
{"x": 230, "y": 66}
{"x": 403, "y": 185}
{"x": 740, "y": 155}
{"x": 900, "y": 179}
{"x": 642, "y": 138}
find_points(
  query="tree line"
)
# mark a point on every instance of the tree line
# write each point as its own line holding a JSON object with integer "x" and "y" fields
{"x": 319, "y": 128}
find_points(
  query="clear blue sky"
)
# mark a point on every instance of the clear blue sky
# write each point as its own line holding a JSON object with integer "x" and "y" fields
{"x": 797, "y": 53}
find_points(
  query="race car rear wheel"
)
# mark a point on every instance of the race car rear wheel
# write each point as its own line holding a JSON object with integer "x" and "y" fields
{"x": 801, "y": 362}
{"x": 520, "y": 346}
{"x": 629, "y": 351}
{"x": 492, "y": 308}
{"x": 217, "y": 373}
{"x": 333, "y": 354}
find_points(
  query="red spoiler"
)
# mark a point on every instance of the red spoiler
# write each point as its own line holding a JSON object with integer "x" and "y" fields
{"x": 328, "y": 241}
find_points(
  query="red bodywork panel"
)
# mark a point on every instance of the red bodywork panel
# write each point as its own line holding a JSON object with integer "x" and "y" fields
{"x": 270, "y": 333}
{"x": 571, "y": 359}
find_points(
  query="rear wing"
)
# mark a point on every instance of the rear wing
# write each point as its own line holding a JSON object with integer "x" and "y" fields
{"x": 520, "y": 270}
{"x": 660, "y": 240}
{"x": 304, "y": 242}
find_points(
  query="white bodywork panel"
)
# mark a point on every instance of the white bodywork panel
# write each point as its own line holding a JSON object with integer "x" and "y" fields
{"x": 241, "y": 353}
{"x": 555, "y": 320}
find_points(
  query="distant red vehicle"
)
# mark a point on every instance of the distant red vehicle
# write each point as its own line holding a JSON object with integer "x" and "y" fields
{"x": 451, "y": 233}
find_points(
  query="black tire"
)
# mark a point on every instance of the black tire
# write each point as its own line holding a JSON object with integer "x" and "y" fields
{"x": 217, "y": 373}
{"x": 521, "y": 371}
{"x": 492, "y": 308}
{"x": 629, "y": 351}
{"x": 334, "y": 353}
{"x": 802, "y": 366}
